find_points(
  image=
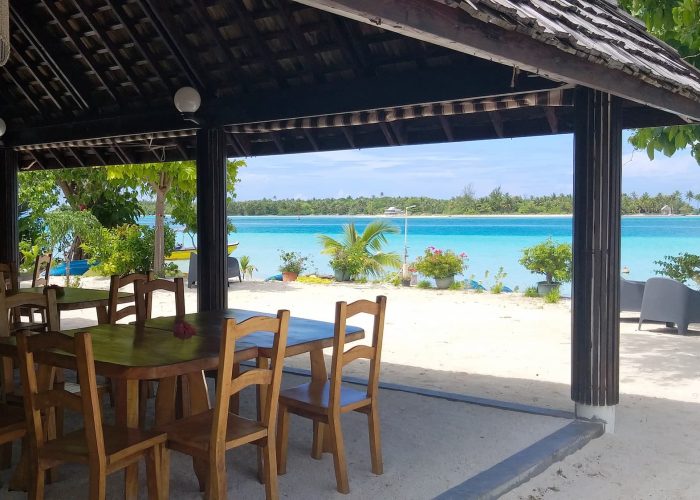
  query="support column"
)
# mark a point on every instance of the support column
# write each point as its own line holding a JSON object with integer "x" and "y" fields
{"x": 9, "y": 231}
{"x": 595, "y": 330}
{"x": 212, "y": 235}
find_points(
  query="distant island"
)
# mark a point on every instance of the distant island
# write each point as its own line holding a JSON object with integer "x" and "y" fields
{"x": 495, "y": 203}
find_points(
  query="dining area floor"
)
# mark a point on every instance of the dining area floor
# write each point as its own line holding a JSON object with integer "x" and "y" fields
{"x": 430, "y": 445}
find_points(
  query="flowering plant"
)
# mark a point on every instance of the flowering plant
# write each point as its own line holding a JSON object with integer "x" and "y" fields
{"x": 439, "y": 264}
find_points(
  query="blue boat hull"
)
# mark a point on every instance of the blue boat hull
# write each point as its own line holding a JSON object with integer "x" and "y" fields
{"x": 77, "y": 268}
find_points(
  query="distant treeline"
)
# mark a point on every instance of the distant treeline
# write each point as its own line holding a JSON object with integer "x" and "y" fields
{"x": 497, "y": 202}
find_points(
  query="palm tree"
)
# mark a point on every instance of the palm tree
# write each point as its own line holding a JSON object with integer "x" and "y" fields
{"x": 361, "y": 254}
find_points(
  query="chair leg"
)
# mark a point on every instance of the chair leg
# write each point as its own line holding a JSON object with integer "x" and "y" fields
{"x": 375, "y": 441}
{"x": 317, "y": 444}
{"x": 271, "y": 492}
{"x": 36, "y": 483}
{"x": 98, "y": 484}
{"x": 6, "y": 456}
{"x": 216, "y": 480}
{"x": 282, "y": 439}
{"x": 201, "y": 471}
{"x": 341, "y": 467}
{"x": 164, "y": 473}
{"x": 154, "y": 478}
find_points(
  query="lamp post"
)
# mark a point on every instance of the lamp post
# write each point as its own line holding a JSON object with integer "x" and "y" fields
{"x": 406, "y": 276}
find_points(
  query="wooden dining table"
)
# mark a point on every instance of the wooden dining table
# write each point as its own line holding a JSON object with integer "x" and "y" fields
{"x": 74, "y": 298}
{"x": 128, "y": 354}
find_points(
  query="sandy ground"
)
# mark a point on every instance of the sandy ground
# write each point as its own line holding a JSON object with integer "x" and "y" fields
{"x": 512, "y": 348}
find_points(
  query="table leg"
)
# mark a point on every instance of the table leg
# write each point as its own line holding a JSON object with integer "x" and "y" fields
{"x": 165, "y": 400}
{"x": 321, "y": 439}
{"x": 264, "y": 363}
{"x": 127, "y": 415}
{"x": 198, "y": 396}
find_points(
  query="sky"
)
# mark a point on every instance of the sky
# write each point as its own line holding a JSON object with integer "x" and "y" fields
{"x": 528, "y": 166}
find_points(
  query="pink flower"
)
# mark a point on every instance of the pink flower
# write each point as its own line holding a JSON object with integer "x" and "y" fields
{"x": 183, "y": 330}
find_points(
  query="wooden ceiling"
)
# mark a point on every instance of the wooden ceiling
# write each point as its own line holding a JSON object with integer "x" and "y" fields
{"x": 108, "y": 69}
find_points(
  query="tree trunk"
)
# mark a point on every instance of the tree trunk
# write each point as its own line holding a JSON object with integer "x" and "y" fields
{"x": 159, "y": 244}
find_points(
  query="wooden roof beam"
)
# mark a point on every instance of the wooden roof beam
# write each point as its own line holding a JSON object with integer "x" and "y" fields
{"x": 39, "y": 79}
{"x": 451, "y": 27}
{"x": 70, "y": 34}
{"x": 20, "y": 86}
{"x": 447, "y": 128}
{"x": 312, "y": 140}
{"x": 162, "y": 20}
{"x": 387, "y": 134}
{"x": 347, "y": 132}
{"x": 300, "y": 40}
{"x": 124, "y": 65}
{"x": 120, "y": 14}
{"x": 551, "y": 116}
{"x": 36, "y": 35}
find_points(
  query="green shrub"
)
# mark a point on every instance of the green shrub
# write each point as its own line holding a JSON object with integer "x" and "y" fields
{"x": 127, "y": 249}
{"x": 314, "y": 280}
{"x": 424, "y": 284}
{"x": 170, "y": 270}
{"x": 684, "y": 267}
{"x": 498, "y": 278}
{"x": 457, "y": 285}
{"x": 531, "y": 291}
{"x": 549, "y": 258}
{"x": 553, "y": 296}
{"x": 292, "y": 262}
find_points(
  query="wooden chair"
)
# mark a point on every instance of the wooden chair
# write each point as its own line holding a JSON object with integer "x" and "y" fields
{"x": 143, "y": 295}
{"x": 116, "y": 282}
{"x": 10, "y": 280}
{"x": 206, "y": 436}
{"x": 42, "y": 268}
{"x": 104, "y": 449}
{"x": 144, "y": 300}
{"x": 326, "y": 402}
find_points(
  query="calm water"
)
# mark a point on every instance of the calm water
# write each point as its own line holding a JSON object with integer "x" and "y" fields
{"x": 490, "y": 242}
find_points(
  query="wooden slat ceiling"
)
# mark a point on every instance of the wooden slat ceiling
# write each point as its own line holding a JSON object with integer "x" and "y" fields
{"x": 82, "y": 69}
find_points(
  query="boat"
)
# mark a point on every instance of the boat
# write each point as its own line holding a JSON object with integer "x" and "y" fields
{"x": 184, "y": 252}
{"x": 77, "y": 268}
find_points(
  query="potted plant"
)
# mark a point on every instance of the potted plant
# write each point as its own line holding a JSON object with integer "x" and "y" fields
{"x": 292, "y": 265}
{"x": 551, "y": 259}
{"x": 442, "y": 265}
{"x": 348, "y": 263}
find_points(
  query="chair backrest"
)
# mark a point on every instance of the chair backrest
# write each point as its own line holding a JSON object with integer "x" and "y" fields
{"x": 270, "y": 377}
{"x": 15, "y": 301}
{"x": 144, "y": 299}
{"x": 40, "y": 395}
{"x": 117, "y": 282}
{"x": 42, "y": 268}
{"x": 372, "y": 352}
{"x": 10, "y": 281}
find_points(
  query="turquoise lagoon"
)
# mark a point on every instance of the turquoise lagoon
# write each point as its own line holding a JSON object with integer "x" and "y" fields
{"x": 490, "y": 242}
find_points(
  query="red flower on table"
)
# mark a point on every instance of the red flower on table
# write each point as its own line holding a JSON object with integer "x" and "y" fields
{"x": 183, "y": 330}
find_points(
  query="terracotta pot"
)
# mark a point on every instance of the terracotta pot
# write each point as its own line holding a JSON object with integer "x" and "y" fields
{"x": 286, "y": 276}
{"x": 444, "y": 283}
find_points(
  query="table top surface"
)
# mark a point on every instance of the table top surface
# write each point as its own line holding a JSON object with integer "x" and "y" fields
{"x": 301, "y": 331}
{"x": 149, "y": 352}
{"x": 84, "y": 297}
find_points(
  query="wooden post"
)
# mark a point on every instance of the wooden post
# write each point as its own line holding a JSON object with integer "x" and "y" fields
{"x": 211, "y": 220}
{"x": 595, "y": 329}
{"x": 9, "y": 243}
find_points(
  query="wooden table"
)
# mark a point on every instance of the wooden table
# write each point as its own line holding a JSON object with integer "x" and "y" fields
{"x": 84, "y": 298}
{"x": 131, "y": 353}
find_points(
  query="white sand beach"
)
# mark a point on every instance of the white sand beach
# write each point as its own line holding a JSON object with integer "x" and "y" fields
{"x": 512, "y": 348}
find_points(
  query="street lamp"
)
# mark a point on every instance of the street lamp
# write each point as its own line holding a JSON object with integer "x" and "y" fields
{"x": 404, "y": 271}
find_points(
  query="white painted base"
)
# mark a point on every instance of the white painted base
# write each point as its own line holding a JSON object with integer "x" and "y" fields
{"x": 602, "y": 413}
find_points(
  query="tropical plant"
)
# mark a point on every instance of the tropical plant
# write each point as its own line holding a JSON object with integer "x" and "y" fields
{"x": 127, "y": 249}
{"x": 553, "y": 296}
{"x": 174, "y": 183}
{"x": 684, "y": 267}
{"x": 531, "y": 291}
{"x": 439, "y": 264}
{"x": 424, "y": 284}
{"x": 549, "y": 258}
{"x": 498, "y": 278}
{"x": 247, "y": 267}
{"x": 292, "y": 262}
{"x": 362, "y": 254}
{"x": 64, "y": 228}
